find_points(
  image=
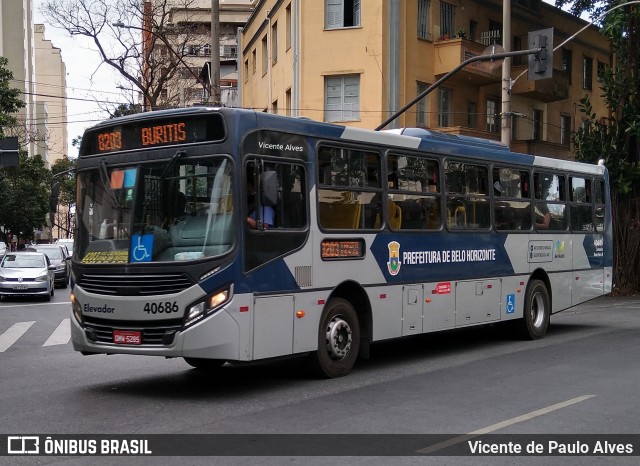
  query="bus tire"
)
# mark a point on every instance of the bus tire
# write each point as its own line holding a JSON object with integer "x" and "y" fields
{"x": 205, "y": 364}
{"x": 537, "y": 311}
{"x": 338, "y": 339}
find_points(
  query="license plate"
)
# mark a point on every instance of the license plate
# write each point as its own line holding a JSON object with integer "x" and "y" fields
{"x": 127, "y": 337}
{"x": 20, "y": 286}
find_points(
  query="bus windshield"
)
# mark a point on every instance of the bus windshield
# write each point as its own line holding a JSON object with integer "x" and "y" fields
{"x": 173, "y": 210}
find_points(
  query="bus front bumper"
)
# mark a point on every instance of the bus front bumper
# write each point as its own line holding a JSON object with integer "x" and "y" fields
{"x": 216, "y": 337}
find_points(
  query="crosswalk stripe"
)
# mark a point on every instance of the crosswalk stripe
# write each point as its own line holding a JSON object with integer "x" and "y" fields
{"x": 14, "y": 332}
{"x": 61, "y": 335}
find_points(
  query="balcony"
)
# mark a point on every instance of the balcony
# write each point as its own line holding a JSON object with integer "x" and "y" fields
{"x": 450, "y": 53}
{"x": 543, "y": 90}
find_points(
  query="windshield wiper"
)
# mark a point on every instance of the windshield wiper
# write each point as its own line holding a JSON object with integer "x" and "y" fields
{"x": 172, "y": 163}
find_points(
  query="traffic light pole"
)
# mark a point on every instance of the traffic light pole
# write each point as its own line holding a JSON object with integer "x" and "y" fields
{"x": 481, "y": 58}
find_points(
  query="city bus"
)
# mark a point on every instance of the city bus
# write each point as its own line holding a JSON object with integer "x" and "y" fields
{"x": 223, "y": 235}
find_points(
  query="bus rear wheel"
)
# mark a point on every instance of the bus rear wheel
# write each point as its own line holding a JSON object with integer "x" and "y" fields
{"x": 338, "y": 339}
{"x": 205, "y": 364}
{"x": 537, "y": 311}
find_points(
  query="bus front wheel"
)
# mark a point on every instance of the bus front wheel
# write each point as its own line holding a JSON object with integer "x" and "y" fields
{"x": 537, "y": 311}
{"x": 338, "y": 339}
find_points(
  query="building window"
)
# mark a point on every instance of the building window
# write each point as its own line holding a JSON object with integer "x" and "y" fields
{"x": 587, "y": 73}
{"x": 423, "y": 19}
{"x": 206, "y": 50}
{"x": 246, "y": 70}
{"x": 565, "y": 129}
{"x": 230, "y": 51}
{"x": 342, "y": 13}
{"x": 473, "y": 30}
{"x": 274, "y": 107}
{"x": 601, "y": 70}
{"x": 421, "y": 106}
{"x": 447, "y": 19}
{"x": 265, "y": 56}
{"x": 492, "y": 116}
{"x": 287, "y": 102}
{"x": 566, "y": 62}
{"x": 471, "y": 114}
{"x": 444, "y": 107}
{"x": 342, "y": 98}
{"x": 537, "y": 125}
{"x": 274, "y": 43}
{"x": 254, "y": 60}
{"x": 288, "y": 25}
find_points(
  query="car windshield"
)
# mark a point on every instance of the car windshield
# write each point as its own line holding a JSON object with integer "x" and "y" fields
{"x": 170, "y": 211}
{"x": 52, "y": 253}
{"x": 15, "y": 261}
{"x": 67, "y": 243}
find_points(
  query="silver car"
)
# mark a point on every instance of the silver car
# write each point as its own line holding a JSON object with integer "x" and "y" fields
{"x": 66, "y": 242}
{"x": 26, "y": 274}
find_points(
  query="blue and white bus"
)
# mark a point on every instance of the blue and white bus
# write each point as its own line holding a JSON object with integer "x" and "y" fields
{"x": 222, "y": 235}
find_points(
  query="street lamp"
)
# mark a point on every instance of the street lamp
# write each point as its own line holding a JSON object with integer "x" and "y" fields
{"x": 121, "y": 25}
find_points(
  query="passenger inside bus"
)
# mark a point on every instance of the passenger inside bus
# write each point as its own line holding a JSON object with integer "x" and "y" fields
{"x": 268, "y": 214}
{"x": 543, "y": 216}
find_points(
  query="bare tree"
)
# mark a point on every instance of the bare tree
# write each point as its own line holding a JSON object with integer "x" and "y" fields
{"x": 140, "y": 39}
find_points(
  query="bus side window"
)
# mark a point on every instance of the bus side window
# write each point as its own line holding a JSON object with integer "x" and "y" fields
{"x": 289, "y": 213}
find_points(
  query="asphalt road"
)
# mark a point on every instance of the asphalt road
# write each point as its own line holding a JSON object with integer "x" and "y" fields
{"x": 581, "y": 379}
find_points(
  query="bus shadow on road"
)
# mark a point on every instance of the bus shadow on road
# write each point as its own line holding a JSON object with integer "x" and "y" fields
{"x": 238, "y": 380}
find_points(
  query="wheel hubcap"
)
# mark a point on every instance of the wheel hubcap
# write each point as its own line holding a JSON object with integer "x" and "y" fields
{"x": 338, "y": 337}
{"x": 537, "y": 310}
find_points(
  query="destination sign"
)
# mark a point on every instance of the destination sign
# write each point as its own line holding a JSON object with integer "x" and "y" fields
{"x": 341, "y": 249}
{"x": 153, "y": 133}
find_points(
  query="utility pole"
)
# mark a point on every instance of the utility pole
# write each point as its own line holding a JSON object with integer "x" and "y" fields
{"x": 214, "y": 71}
{"x": 505, "y": 115}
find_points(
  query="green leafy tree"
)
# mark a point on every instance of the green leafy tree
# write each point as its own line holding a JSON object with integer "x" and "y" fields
{"x": 125, "y": 109}
{"x": 24, "y": 191}
{"x": 10, "y": 101}
{"x": 615, "y": 137}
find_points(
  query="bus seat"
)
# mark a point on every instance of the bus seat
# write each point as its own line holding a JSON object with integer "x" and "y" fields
{"x": 458, "y": 219}
{"x": 338, "y": 215}
{"x": 395, "y": 216}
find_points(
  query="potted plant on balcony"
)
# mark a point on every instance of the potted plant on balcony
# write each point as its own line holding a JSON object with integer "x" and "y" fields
{"x": 461, "y": 33}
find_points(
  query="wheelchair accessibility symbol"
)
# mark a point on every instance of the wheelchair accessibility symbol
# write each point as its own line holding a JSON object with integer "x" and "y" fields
{"x": 511, "y": 304}
{"x": 141, "y": 248}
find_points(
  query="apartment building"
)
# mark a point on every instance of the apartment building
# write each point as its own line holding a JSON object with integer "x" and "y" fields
{"x": 39, "y": 72}
{"x": 356, "y": 63}
{"x": 191, "y": 21}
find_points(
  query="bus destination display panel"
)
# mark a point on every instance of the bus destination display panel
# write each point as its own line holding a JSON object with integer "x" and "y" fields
{"x": 149, "y": 134}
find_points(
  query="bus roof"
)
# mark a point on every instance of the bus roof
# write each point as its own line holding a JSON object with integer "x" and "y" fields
{"x": 429, "y": 141}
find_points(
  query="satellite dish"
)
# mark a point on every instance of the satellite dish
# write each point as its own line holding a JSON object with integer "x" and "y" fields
{"x": 491, "y": 65}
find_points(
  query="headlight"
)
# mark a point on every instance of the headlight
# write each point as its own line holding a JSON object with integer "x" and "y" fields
{"x": 204, "y": 308}
{"x": 43, "y": 278}
{"x": 1, "y": 278}
{"x": 76, "y": 308}
{"x": 60, "y": 267}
